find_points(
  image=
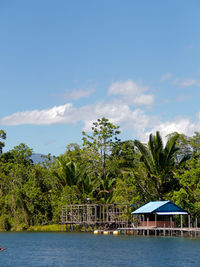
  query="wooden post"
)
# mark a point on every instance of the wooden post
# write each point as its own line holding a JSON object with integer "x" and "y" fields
{"x": 71, "y": 214}
{"x": 100, "y": 215}
{"x": 95, "y": 212}
{"x": 148, "y": 225}
{"x": 62, "y": 219}
{"x": 155, "y": 220}
{"x": 107, "y": 213}
{"x": 171, "y": 225}
{"x": 181, "y": 225}
{"x": 196, "y": 225}
{"x": 188, "y": 221}
{"x": 127, "y": 213}
{"x": 78, "y": 215}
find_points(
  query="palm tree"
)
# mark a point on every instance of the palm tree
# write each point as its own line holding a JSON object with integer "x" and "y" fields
{"x": 66, "y": 171}
{"x": 106, "y": 189}
{"x": 160, "y": 162}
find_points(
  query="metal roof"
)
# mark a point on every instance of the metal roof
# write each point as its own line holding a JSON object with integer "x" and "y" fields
{"x": 161, "y": 208}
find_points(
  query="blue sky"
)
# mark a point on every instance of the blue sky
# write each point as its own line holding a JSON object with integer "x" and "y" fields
{"x": 63, "y": 64}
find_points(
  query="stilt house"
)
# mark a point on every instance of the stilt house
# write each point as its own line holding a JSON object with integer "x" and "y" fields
{"x": 159, "y": 214}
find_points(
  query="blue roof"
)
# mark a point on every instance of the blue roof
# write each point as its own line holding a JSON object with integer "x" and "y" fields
{"x": 160, "y": 207}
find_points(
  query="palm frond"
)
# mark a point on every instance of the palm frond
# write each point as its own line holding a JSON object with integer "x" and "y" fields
{"x": 146, "y": 157}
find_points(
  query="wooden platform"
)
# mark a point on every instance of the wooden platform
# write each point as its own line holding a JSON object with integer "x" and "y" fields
{"x": 162, "y": 231}
{"x": 97, "y": 216}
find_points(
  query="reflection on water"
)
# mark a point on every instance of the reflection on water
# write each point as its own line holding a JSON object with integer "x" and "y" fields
{"x": 65, "y": 249}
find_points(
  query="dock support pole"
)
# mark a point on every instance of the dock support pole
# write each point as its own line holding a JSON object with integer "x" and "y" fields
{"x": 155, "y": 224}
{"x": 181, "y": 225}
{"x": 171, "y": 225}
{"x": 188, "y": 221}
{"x": 196, "y": 225}
{"x": 155, "y": 220}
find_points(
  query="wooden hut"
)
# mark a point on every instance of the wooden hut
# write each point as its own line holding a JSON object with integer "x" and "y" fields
{"x": 159, "y": 214}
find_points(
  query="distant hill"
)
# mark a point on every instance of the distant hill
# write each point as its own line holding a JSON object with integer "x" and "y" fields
{"x": 36, "y": 158}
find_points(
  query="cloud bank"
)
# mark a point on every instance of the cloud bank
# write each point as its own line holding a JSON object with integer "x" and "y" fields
{"x": 57, "y": 114}
{"x": 180, "y": 125}
{"x": 131, "y": 92}
{"x": 126, "y": 108}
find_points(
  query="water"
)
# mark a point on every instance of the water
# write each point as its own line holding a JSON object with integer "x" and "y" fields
{"x": 66, "y": 249}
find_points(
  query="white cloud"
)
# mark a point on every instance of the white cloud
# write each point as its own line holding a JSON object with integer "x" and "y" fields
{"x": 126, "y": 88}
{"x": 121, "y": 114}
{"x": 180, "y": 125}
{"x": 77, "y": 94}
{"x": 187, "y": 83}
{"x": 57, "y": 114}
{"x": 131, "y": 92}
{"x": 118, "y": 113}
{"x": 166, "y": 76}
{"x": 118, "y": 110}
{"x": 143, "y": 100}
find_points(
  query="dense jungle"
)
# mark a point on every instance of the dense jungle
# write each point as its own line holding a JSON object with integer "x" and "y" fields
{"x": 103, "y": 169}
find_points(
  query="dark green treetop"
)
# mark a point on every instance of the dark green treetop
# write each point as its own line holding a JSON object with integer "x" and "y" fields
{"x": 2, "y": 137}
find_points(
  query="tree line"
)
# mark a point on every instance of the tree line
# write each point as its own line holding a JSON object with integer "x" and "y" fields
{"x": 104, "y": 169}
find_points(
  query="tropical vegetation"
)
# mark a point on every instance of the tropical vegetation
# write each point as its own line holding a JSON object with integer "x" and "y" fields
{"x": 104, "y": 169}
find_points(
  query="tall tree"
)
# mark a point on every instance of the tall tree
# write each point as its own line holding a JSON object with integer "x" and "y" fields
{"x": 160, "y": 163}
{"x": 189, "y": 193}
{"x": 2, "y": 137}
{"x": 101, "y": 141}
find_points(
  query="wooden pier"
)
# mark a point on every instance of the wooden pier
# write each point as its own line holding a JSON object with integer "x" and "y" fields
{"x": 145, "y": 231}
{"x": 161, "y": 231}
{"x": 117, "y": 219}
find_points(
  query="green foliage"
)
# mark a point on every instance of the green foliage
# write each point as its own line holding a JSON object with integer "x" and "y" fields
{"x": 188, "y": 196}
{"x": 100, "y": 143}
{"x": 68, "y": 195}
{"x": 105, "y": 170}
{"x": 125, "y": 191}
{"x": 160, "y": 163}
{"x": 2, "y": 137}
{"x": 5, "y": 224}
{"x": 46, "y": 228}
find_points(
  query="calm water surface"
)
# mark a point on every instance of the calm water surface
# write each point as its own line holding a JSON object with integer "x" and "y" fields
{"x": 64, "y": 249}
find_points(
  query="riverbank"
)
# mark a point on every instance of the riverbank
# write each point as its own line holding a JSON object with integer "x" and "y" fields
{"x": 37, "y": 228}
{"x": 46, "y": 228}
{"x": 43, "y": 228}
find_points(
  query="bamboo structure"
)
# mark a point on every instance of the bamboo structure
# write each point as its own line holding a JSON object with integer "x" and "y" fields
{"x": 97, "y": 216}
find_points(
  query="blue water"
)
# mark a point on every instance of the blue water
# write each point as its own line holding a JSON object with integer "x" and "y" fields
{"x": 66, "y": 249}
